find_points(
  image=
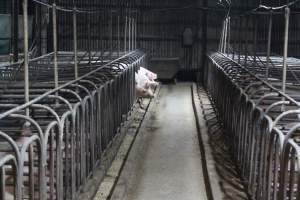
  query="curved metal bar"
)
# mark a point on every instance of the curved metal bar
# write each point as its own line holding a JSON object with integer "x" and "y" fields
{"x": 278, "y": 103}
{"x": 265, "y": 97}
{"x": 284, "y": 114}
{"x": 26, "y": 118}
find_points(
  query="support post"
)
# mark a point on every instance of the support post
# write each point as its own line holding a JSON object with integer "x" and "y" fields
{"x": 111, "y": 35}
{"x": 222, "y": 37}
{"x": 26, "y": 56}
{"x": 133, "y": 33}
{"x": 75, "y": 42}
{"x": 225, "y": 35}
{"x": 233, "y": 34}
{"x": 119, "y": 48}
{"x": 89, "y": 39}
{"x": 129, "y": 34}
{"x": 246, "y": 40}
{"x": 255, "y": 40}
{"x": 54, "y": 21}
{"x": 136, "y": 31}
{"x": 2, "y": 183}
{"x": 269, "y": 45}
{"x": 285, "y": 49}
{"x": 240, "y": 40}
{"x": 204, "y": 37}
{"x": 228, "y": 35}
{"x": 15, "y": 15}
{"x": 125, "y": 35}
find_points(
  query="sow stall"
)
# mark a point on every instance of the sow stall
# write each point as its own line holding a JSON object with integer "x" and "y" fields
{"x": 263, "y": 125}
{"x": 52, "y": 144}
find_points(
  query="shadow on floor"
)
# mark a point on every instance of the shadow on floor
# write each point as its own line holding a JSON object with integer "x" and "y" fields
{"x": 230, "y": 180}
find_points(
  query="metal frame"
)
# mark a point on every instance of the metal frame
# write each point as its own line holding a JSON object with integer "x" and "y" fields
{"x": 265, "y": 137}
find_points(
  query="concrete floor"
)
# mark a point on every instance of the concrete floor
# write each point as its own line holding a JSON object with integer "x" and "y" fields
{"x": 165, "y": 162}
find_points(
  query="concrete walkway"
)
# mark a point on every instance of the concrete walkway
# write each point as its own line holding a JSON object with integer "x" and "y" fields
{"x": 165, "y": 162}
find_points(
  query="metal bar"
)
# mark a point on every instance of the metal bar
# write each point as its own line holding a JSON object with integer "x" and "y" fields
{"x": 2, "y": 183}
{"x": 246, "y": 40}
{"x": 125, "y": 35}
{"x": 118, "y": 29}
{"x": 233, "y": 34}
{"x": 129, "y": 34}
{"x": 240, "y": 40}
{"x": 15, "y": 8}
{"x": 204, "y": 38}
{"x": 111, "y": 34}
{"x": 133, "y": 33}
{"x": 222, "y": 38}
{"x": 75, "y": 43}
{"x": 26, "y": 56}
{"x": 255, "y": 39}
{"x": 228, "y": 35}
{"x": 89, "y": 39}
{"x": 269, "y": 45}
{"x": 285, "y": 50}
{"x": 54, "y": 21}
{"x": 31, "y": 172}
{"x": 136, "y": 32}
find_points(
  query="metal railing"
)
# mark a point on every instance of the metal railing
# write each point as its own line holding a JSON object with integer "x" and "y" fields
{"x": 263, "y": 124}
{"x": 60, "y": 112}
{"x": 51, "y": 153}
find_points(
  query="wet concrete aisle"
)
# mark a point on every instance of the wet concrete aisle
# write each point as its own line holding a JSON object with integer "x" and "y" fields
{"x": 164, "y": 162}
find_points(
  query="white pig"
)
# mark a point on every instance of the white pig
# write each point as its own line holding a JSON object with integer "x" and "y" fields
{"x": 145, "y": 83}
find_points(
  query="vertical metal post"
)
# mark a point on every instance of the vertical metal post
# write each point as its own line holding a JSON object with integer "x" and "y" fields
{"x": 2, "y": 183}
{"x": 246, "y": 40}
{"x": 228, "y": 35}
{"x": 136, "y": 31}
{"x": 269, "y": 45}
{"x": 55, "y": 45}
{"x": 285, "y": 49}
{"x": 38, "y": 11}
{"x": 204, "y": 17}
{"x": 15, "y": 8}
{"x": 255, "y": 40}
{"x": 89, "y": 39}
{"x": 119, "y": 46}
{"x": 75, "y": 42}
{"x": 26, "y": 58}
{"x": 233, "y": 38}
{"x": 240, "y": 40}
{"x": 132, "y": 34}
{"x": 125, "y": 35}
{"x": 221, "y": 39}
{"x": 129, "y": 34}
{"x": 111, "y": 34}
